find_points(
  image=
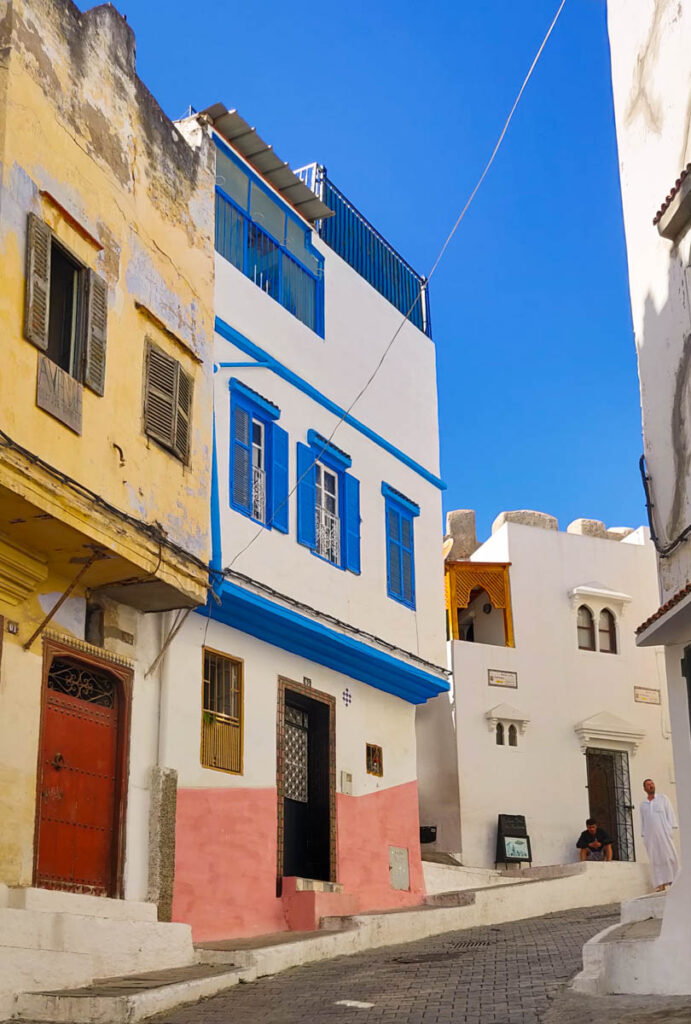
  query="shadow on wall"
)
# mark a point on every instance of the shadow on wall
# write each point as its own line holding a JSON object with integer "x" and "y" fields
{"x": 664, "y": 367}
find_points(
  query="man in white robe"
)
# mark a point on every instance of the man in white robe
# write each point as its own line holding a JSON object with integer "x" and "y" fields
{"x": 657, "y": 822}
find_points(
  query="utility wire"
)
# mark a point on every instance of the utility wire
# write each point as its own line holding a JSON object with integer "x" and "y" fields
{"x": 418, "y": 297}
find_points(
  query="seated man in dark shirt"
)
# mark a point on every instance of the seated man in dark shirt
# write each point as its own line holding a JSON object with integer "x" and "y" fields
{"x": 594, "y": 843}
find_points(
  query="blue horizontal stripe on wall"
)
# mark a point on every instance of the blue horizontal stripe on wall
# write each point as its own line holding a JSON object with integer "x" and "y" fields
{"x": 282, "y": 627}
{"x": 247, "y": 346}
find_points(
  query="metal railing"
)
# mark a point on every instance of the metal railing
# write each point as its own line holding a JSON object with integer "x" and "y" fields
{"x": 328, "y": 535}
{"x": 359, "y": 243}
{"x": 259, "y": 494}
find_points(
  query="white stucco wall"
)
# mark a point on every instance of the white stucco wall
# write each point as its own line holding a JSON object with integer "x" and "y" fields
{"x": 544, "y": 777}
{"x": 651, "y": 77}
{"x": 371, "y": 717}
{"x": 401, "y": 406}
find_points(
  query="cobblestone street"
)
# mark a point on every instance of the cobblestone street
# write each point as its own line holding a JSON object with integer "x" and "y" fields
{"x": 507, "y": 974}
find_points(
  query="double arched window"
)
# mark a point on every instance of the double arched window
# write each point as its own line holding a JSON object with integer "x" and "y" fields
{"x": 508, "y": 735}
{"x": 606, "y": 631}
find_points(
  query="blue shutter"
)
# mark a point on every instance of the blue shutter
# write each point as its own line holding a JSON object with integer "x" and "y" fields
{"x": 241, "y": 459}
{"x": 307, "y": 498}
{"x": 352, "y": 523}
{"x": 279, "y": 478}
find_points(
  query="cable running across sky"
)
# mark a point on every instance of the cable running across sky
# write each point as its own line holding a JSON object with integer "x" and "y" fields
{"x": 433, "y": 269}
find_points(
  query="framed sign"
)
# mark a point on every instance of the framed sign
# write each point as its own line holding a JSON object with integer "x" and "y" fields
{"x": 516, "y": 848}
{"x": 496, "y": 678}
{"x": 645, "y": 696}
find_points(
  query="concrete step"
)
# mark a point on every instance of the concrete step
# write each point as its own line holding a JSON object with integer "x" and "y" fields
{"x": 111, "y": 945}
{"x": 129, "y": 999}
{"x": 26, "y": 970}
{"x": 463, "y": 898}
{"x": 652, "y": 905}
{"x": 53, "y": 901}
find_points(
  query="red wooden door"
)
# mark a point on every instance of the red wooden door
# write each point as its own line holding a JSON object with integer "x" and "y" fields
{"x": 78, "y": 785}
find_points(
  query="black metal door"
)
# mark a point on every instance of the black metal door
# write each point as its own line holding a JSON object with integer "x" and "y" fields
{"x": 609, "y": 794}
{"x": 306, "y": 792}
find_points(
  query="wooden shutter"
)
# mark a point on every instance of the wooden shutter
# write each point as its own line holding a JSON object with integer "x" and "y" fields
{"x": 307, "y": 497}
{"x": 242, "y": 458}
{"x": 95, "y": 345}
{"x": 37, "y": 301}
{"x": 279, "y": 478}
{"x": 352, "y": 523}
{"x": 184, "y": 413}
{"x": 160, "y": 408}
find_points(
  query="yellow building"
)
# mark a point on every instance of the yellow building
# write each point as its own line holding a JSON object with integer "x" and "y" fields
{"x": 106, "y": 318}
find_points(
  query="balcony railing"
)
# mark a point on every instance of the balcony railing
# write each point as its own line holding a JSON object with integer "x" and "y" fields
{"x": 359, "y": 243}
{"x": 328, "y": 535}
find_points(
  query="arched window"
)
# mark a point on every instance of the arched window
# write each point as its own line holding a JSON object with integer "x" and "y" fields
{"x": 607, "y": 630}
{"x": 500, "y": 734}
{"x": 513, "y": 736}
{"x": 586, "y": 629}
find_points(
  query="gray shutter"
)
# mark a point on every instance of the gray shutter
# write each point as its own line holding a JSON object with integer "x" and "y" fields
{"x": 37, "y": 282}
{"x": 184, "y": 414}
{"x": 96, "y": 319}
{"x": 160, "y": 403}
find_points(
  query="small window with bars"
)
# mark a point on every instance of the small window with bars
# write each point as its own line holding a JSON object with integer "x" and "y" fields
{"x": 167, "y": 402}
{"x": 375, "y": 760}
{"x": 222, "y": 713}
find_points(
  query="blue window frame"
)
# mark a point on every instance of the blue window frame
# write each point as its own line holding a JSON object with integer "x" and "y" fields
{"x": 399, "y": 513}
{"x": 267, "y": 241}
{"x": 258, "y": 458}
{"x": 328, "y": 503}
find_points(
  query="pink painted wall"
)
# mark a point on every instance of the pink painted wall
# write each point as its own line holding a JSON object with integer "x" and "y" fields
{"x": 225, "y": 857}
{"x": 225, "y": 863}
{"x": 367, "y": 827}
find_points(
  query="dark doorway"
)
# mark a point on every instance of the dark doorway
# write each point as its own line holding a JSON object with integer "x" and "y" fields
{"x": 609, "y": 795}
{"x": 306, "y": 784}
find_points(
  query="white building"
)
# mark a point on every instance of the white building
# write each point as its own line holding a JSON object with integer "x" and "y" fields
{"x": 556, "y": 714}
{"x": 651, "y": 78}
{"x": 290, "y": 706}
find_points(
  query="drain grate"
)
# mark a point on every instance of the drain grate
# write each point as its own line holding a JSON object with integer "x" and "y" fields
{"x": 453, "y": 952}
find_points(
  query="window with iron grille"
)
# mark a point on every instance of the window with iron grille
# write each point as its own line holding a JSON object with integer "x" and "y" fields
{"x": 258, "y": 458}
{"x": 167, "y": 402}
{"x": 328, "y": 503}
{"x": 375, "y": 760}
{"x": 222, "y": 712}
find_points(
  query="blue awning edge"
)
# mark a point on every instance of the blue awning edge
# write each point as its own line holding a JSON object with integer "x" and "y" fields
{"x": 299, "y": 634}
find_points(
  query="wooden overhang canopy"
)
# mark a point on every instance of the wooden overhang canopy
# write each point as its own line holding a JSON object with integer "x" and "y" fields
{"x": 250, "y": 145}
{"x": 463, "y": 578}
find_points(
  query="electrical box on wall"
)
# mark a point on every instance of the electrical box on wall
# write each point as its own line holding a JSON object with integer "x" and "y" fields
{"x": 347, "y": 783}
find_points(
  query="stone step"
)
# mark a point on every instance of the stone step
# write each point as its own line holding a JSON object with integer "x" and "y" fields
{"x": 26, "y": 970}
{"x": 462, "y": 898}
{"x": 652, "y": 905}
{"x": 109, "y": 944}
{"x": 129, "y": 999}
{"x": 54, "y": 901}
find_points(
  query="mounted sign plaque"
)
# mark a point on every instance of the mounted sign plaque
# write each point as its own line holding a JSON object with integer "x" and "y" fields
{"x": 513, "y": 841}
{"x": 643, "y": 695}
{"x": 496, "y": 678}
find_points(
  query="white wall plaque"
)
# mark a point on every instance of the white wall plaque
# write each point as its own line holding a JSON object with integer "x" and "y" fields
{"x": 502, "y": 678}
{"x": 645, "y": 696}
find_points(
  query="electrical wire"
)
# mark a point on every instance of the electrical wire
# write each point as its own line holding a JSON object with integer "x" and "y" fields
{"x": 423, "y": 286}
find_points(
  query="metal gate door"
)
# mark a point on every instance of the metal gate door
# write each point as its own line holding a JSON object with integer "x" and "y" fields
{"x": 78, "y": 783}
{"x": 609, "y": 793}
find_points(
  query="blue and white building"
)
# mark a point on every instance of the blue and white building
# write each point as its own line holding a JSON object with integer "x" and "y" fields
{"x": 290, "y": 716}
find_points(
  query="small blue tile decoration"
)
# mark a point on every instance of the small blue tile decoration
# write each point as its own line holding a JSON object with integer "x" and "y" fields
{"x": 347, "y": 697}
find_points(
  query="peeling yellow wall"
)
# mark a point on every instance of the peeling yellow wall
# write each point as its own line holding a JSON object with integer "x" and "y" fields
{"x": 82, "y": 127}
{"x": 84, "y": 145}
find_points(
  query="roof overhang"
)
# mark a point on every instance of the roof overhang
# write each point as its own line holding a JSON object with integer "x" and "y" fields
{"x": 668, "y": 628}
{"x": 250, "y": 145}
{"x": 300, "y": 634}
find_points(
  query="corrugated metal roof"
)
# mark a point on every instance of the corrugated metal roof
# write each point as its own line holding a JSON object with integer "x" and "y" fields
{"x": 245, "y": 139}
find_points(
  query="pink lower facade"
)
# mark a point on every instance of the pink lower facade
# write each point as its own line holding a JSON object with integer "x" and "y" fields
{"x": 225, "y": 859}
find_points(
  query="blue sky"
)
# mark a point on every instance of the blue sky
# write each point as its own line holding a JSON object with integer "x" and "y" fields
{"x": 403, "y": 103}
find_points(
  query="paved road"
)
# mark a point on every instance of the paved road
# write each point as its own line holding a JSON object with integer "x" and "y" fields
{"x": 509, "y": 974}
